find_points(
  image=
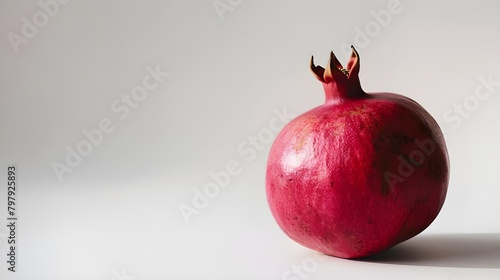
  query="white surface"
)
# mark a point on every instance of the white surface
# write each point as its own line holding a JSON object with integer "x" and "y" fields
{"x": 117, "y": 213}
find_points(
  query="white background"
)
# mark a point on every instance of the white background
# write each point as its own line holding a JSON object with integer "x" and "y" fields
{"x": 116, "y": 214}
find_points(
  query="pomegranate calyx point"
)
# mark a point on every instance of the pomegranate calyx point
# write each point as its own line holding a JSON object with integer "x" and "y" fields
{"x": 339, "y": 82}
{"x": 335, "y": 70}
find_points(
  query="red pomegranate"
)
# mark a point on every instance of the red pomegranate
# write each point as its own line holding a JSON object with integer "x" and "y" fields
{"x": 360, "y": 173}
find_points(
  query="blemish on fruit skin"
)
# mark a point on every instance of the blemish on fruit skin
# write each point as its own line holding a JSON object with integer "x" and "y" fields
{"x": 385, "y": 187}
{"x": 306, "y": 127}
{"x": 298, "y": 145}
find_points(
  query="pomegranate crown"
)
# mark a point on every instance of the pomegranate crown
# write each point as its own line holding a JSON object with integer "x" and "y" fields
{"x": 339, "y": 82}
{"x": 334, "y": 69}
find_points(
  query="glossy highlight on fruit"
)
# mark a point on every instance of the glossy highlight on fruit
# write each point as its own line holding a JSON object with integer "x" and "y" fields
{"x": 360, "y": 173}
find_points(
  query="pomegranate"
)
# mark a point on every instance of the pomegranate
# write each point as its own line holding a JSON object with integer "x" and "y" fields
{"x": 360, "y": 173}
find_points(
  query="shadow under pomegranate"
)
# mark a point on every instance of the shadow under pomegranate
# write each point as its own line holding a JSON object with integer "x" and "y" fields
{"x": 444, "y": 250}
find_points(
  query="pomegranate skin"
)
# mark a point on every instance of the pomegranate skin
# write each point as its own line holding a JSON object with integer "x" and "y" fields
{"x": 358, "y": 174}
